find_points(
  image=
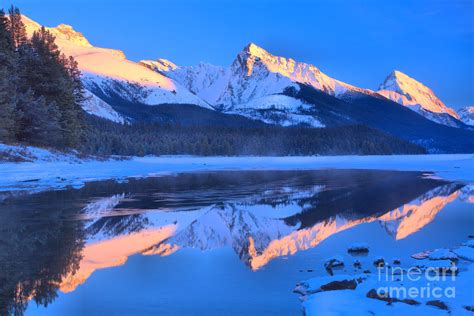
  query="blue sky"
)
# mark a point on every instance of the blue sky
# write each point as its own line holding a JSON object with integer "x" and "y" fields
{"x": 359, "y": 42}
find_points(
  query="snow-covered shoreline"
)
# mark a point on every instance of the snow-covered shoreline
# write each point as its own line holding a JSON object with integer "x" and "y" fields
{"x": 55, "y": 171}
{"x": 439, "y": 283}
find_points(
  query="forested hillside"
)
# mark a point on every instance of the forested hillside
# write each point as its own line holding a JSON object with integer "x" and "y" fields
{"x": 105, "y": 137}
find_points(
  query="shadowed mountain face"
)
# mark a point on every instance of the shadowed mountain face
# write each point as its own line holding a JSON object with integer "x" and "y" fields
{"x": 380, "y": 113}
{"x": 355, "y": 108}
{"x": 56, "y": 240}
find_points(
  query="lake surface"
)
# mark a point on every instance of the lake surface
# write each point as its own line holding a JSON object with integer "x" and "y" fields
{"x": 214, "y": 243}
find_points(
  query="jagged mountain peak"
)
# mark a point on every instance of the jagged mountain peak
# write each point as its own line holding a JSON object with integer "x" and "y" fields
{"x": 298, "y": 72}
{"x": 408, "y": 91}
{"x": 254, "y": 49}
{"x": 72, "y": 35}
{"x": 398, "y": 74}
{"x": 251, "y": 45}
{"x": 402, "y": 83}
{"x": 62, "y": 32}
{"x": 397, "y": 79}
{"x": 285, "y": 66}
{"x": 255, "y": 73}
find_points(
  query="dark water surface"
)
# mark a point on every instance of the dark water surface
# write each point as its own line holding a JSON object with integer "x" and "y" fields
{"x": 218, "y": 243}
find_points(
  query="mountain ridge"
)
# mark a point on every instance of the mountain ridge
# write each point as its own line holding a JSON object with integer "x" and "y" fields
{"x": 257, "y": 85}
{"x": 110, "y": 70}
{"x": 274, "y": 74}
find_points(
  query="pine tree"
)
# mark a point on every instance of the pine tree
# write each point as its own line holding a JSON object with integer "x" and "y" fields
{"x": 56, "y": 78}
{"x": 40, "y": 120}
{"x": 75, "y": 75}
{"x": 72, "y": 114}
{"x": 17, "y": 28}
{"x": 5, "y": 38}
{"x": 7, "y": 100}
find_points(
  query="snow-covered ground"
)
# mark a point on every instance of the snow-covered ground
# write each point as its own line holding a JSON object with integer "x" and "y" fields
{"x": 421, "y": 289}
{"x": 45, "y": 170}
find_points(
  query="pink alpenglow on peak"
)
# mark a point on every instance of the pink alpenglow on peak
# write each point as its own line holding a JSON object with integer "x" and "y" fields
{"x": 296, "y": 71}
{"x": 101, "y": 67}
{"x": 407, "y": 91}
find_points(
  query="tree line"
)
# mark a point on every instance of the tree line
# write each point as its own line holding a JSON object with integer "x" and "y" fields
{"x": 40, "y": 88}
{"x": 104, "y": 137}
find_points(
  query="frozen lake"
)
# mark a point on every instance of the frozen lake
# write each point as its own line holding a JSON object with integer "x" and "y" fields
{"x": 215, "y": 243}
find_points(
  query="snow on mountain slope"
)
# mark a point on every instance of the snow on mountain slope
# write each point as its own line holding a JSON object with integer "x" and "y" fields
{"x": 274, "y": 101}
{"x": 249, "y": 78}
{"x": 256, "y": 73}
{"x": 251, "y": 83}
{"x": 300, "y": 72}
{"x": 252, "y": 86}
{"x": 278, "y": 109}
{"x": 205, "y": 80}
{"x": 160, "y": 65}
{"x": 407, "y": 91}
{"x": 466, "y": 115}
{"x": 96, "y": 106}
{"x": 110, "y": 71}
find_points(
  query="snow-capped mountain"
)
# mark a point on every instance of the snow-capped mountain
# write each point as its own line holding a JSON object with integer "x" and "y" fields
{"x": 251, "y": 78}
{"x": 258, "y": 86}
{"x": 109, "y": 73}
{"x": 466, "y": 114}
{"x": 253, "y": 84}
{"x": 256, "y": 73}
{"x": 409, "y": 92}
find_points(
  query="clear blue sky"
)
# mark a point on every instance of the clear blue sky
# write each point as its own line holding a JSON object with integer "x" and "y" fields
{"x": 356, "y": 41}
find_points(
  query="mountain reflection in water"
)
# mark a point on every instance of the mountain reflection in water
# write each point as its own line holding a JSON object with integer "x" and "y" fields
{"x": 55, "y": 240}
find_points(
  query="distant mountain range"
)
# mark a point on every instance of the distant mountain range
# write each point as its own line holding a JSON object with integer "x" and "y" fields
{"x": 261, "y": 87}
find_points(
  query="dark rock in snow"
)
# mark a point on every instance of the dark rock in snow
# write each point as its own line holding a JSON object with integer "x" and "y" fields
{"x": 385, "y": 297}
{"x": 438, "y": 303}
{"x": 340, "y": 285}
{"x": 379, "y": 262}
{"x": 358, "y": 248}
{"x": 336, "y": 262}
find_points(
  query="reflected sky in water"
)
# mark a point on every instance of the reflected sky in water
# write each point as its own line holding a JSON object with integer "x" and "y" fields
{"x": 213, "y": 243}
